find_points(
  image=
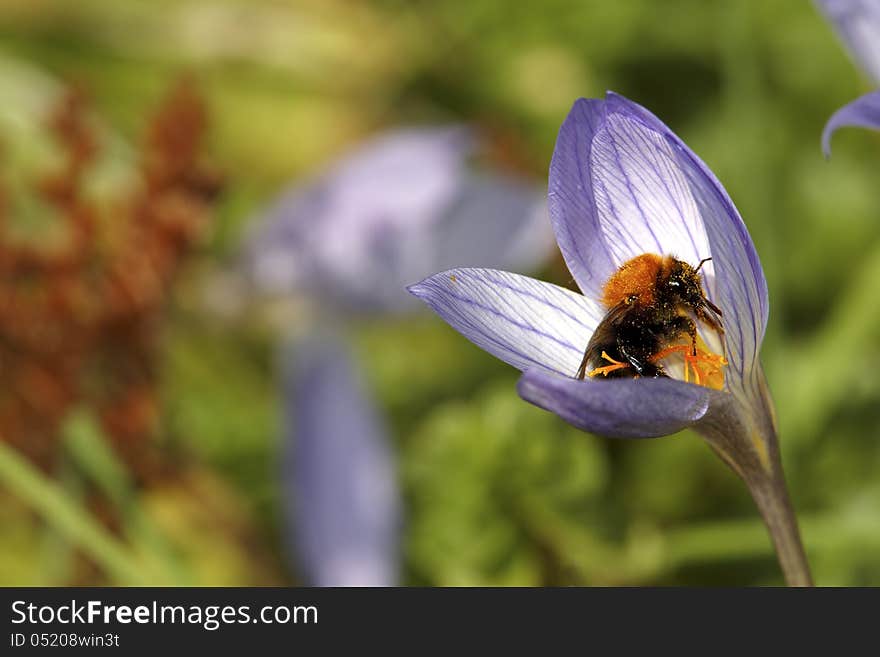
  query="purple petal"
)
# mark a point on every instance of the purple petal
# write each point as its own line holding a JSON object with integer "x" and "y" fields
{"x": 857, "y": 23}
{"x": 570, "y": 198}
{"x": 524, "y": 322}
{"x": 650, "y": 192}
{"x": 627, "y": 179}
{"x": 864, "y": 112}
{"x": 642, "y": 197}
{"x": 618, "y": 408}
{"x": 740, "y": 288}
{"x": 339, "y": 481}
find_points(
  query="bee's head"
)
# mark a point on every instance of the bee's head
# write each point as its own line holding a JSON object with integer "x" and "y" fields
{"x": 683, "y": 283}
{"x": 683, "y": 287}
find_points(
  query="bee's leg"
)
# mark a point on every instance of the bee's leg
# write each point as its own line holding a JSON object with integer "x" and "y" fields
{"x": 643, "y": 367}
{"x": 590, "y": 356}
{"x": 595, "y": 355}
{"x": 682, "y": 324}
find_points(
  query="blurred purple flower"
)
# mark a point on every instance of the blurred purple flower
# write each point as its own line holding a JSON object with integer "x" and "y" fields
{"x": 341, "y": 503}
{"x": 401, "y": 206}
{"x": 857, "y": 23}
{"x": 622, "y": 184}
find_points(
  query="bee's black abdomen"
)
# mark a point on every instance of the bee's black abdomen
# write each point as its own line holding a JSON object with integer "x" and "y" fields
{"x": 634, "y": 341}
{"x": 639, "y": 364}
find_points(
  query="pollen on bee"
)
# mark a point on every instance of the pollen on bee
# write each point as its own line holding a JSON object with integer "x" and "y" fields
{"x": 635, "y": 277}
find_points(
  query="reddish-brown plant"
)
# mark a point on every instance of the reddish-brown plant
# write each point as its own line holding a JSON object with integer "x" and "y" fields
{"x": 80, "y": 314}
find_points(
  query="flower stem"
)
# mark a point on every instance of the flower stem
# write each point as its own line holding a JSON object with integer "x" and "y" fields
{"x": 744, "y": 436}
{"x": 771, "y": 497}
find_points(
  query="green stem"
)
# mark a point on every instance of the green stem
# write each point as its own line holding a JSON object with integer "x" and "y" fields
{"x": 771, "y": 497}
{"x": 766, "y": 483}
{"x": 741, "y": 429}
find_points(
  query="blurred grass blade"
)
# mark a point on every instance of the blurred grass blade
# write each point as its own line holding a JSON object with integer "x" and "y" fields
{"x": 87, "y": 446}
{"x": 68, "y": 518}
{"x": 89, "y": 450}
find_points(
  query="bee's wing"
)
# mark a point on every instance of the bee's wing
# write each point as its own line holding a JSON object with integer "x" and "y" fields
{"x": 604, "y": 336}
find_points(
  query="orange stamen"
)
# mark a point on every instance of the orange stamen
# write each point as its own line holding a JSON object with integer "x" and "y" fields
{"x": 705, "y": 366}
{"x": 606, "y": 369}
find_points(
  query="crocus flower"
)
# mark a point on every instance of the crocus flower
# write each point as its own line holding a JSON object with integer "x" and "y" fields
{"x": 623, "y": 184}
{"x": 338, "y": 471}
{"x": 399, "y": 207}
{"x": 857, "y": 23}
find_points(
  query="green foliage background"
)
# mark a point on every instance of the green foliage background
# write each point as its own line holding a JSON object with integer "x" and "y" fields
{"x": 496, "y": 492}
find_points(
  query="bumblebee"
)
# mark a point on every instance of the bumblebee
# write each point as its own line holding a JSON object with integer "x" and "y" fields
{"x": 652, "y": 304}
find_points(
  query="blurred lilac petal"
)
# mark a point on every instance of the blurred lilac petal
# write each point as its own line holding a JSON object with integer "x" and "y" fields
{"x": 390, "y": 213}
{"x": 495, "y": 221}
{"x": 340, "y": 496}
{"x": 857, "y": 23}
{"x": 524, "y": 322}
{"x": 332, "y": 235}
{"x": 864, "y": 112}
{"x": 618, "y": 408}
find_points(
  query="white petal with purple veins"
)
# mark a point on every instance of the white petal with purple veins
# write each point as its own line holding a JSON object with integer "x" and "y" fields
{"x": 524, "y": 322}
{"x": 739, "y": 286}
{"x": 571, "y": 202}
{"x": 643, "y": 199}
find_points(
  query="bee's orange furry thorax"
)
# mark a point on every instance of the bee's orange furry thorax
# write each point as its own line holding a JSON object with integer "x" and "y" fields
{"x": 636, "y": 277}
